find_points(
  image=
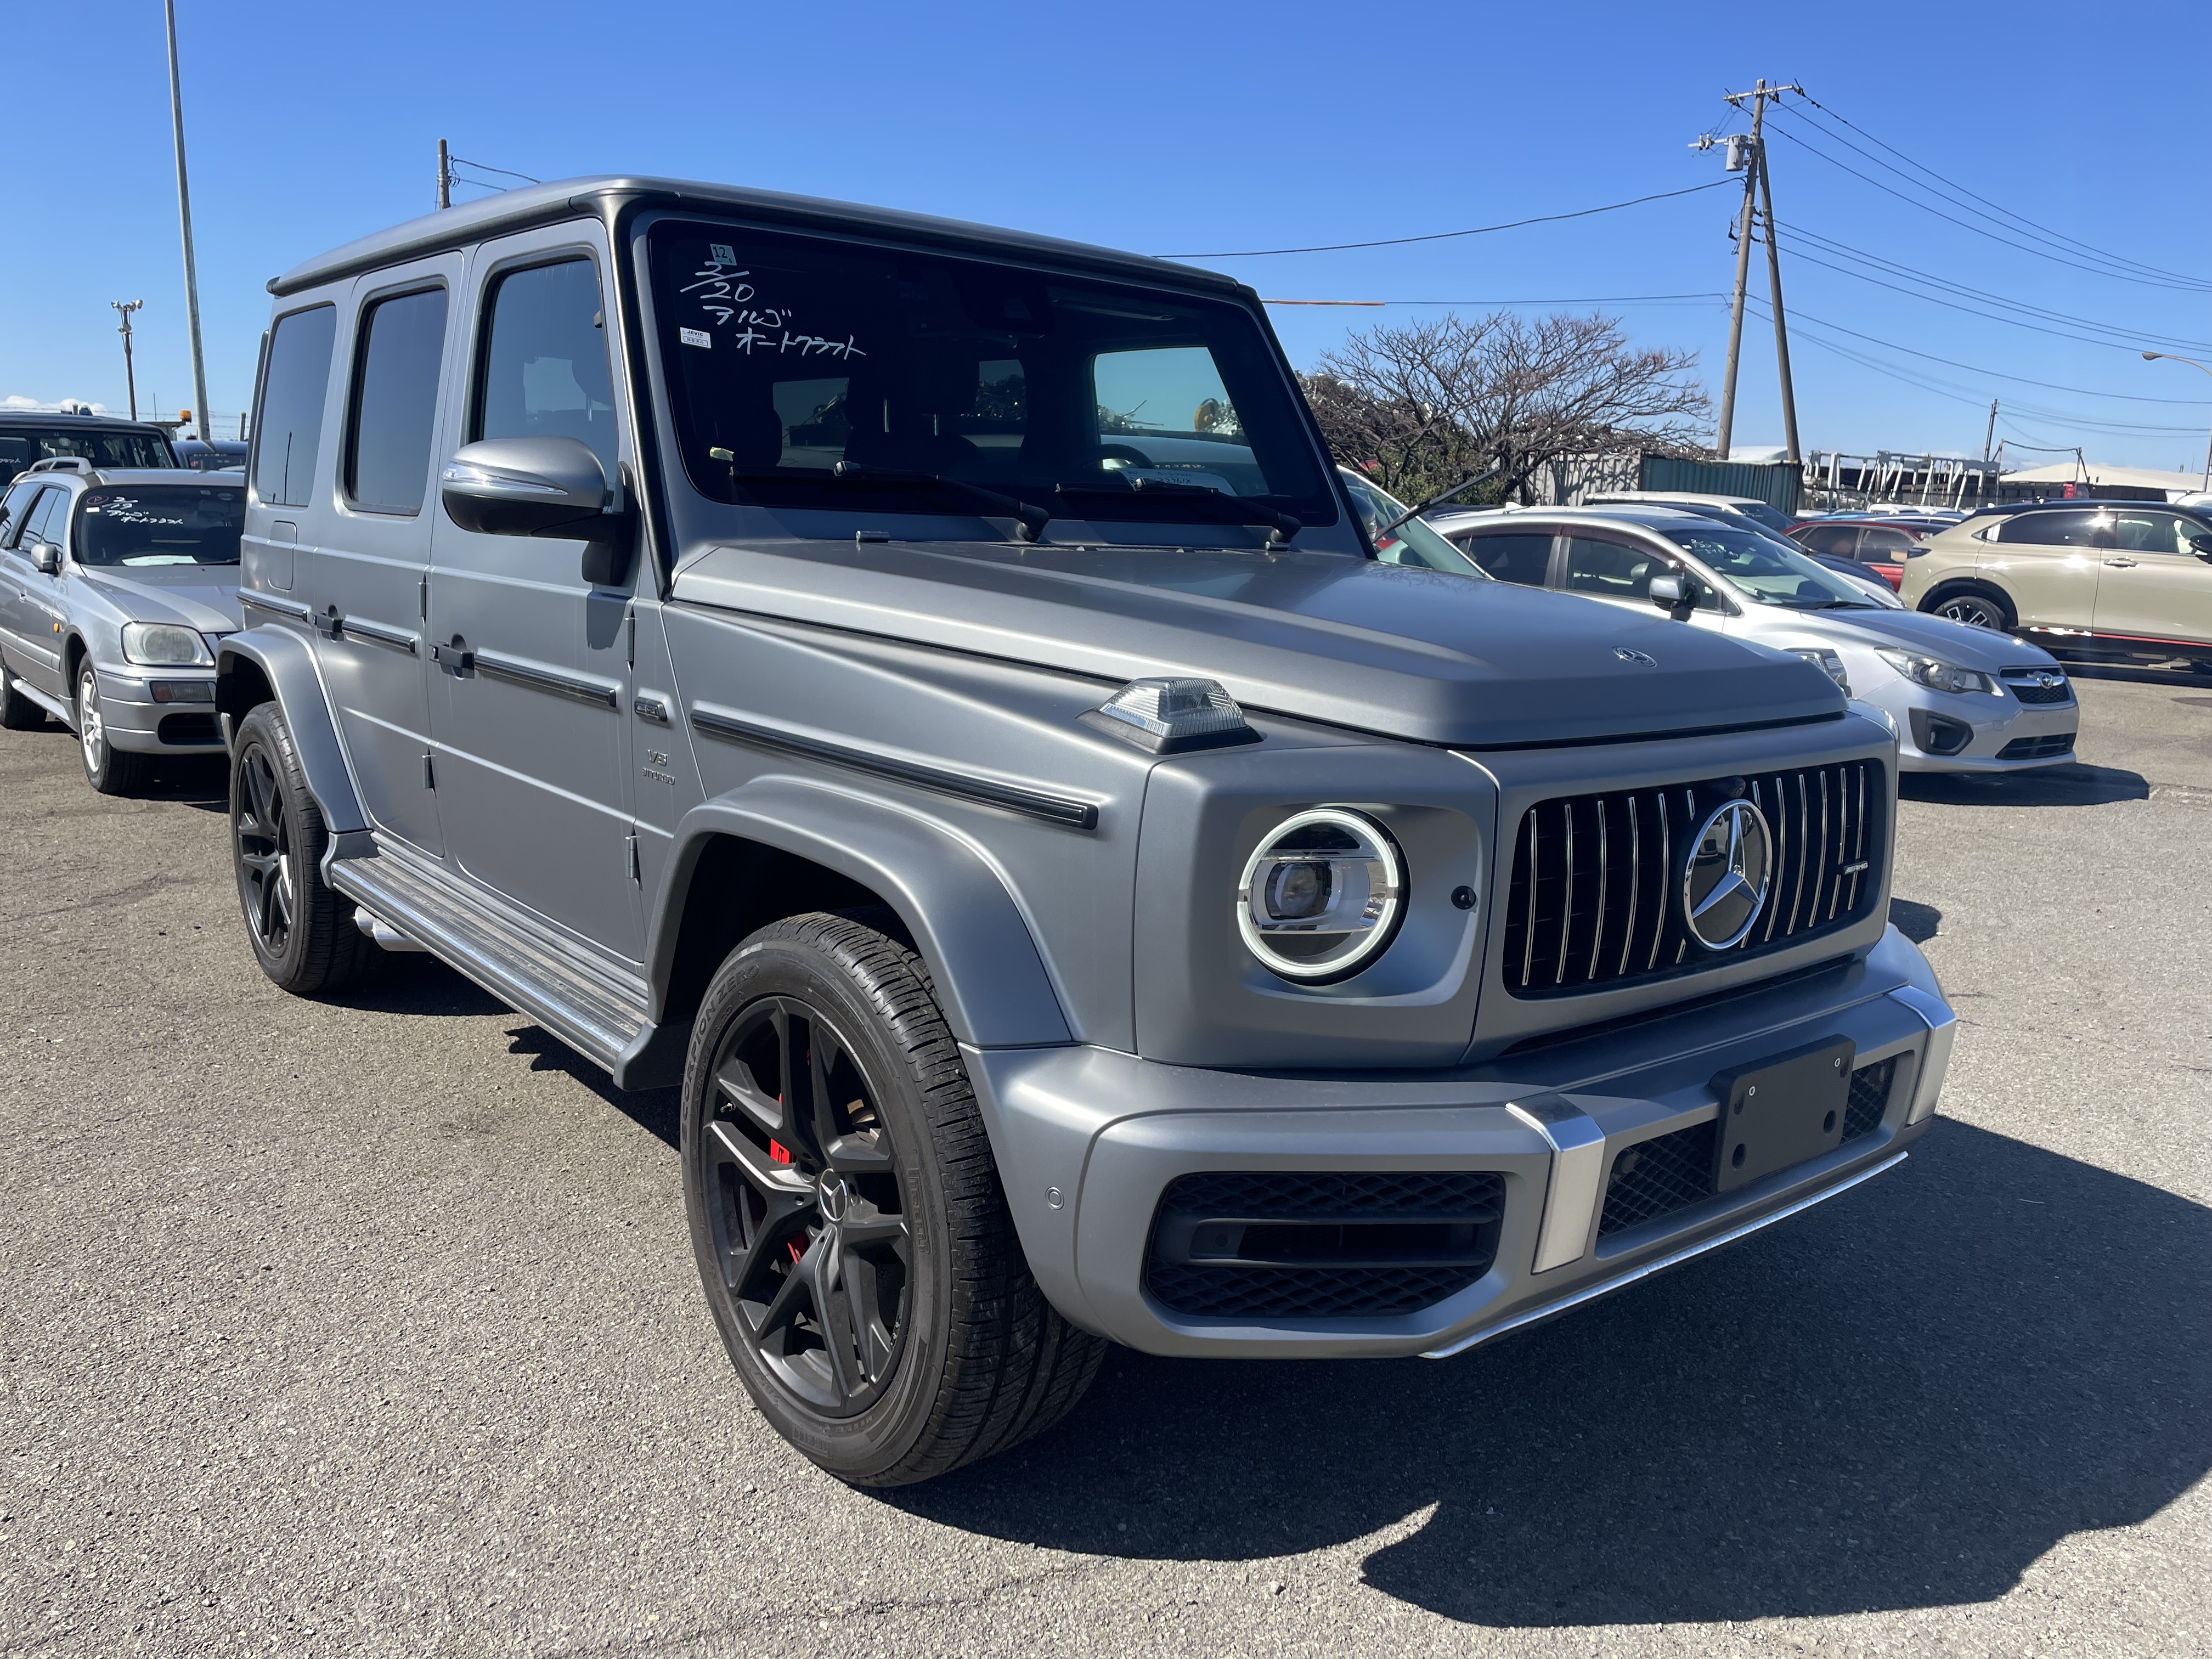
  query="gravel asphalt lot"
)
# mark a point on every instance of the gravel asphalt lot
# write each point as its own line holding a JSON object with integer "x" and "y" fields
{"x": 371, "y": 1328}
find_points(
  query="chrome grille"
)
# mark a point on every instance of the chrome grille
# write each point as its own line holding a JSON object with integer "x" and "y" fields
{"x": 1594, "y": 891}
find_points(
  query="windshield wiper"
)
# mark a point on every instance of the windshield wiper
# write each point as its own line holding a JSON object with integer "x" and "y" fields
{"x": 1031, "y": 517}
{"x": 1241, "y": 509}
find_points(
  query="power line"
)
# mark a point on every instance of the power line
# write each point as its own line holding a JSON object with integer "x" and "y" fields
{"x": 1590, "y": 299}
{"x": 481, "y": 166}
{"x": 2002, "y": 213}
{"x": 1447, "y": 235}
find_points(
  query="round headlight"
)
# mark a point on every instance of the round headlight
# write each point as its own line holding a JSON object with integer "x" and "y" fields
{"x": 1322, "y": 895}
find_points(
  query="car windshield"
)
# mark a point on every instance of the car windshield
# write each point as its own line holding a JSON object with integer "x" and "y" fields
{"x": 1412, "y": 542}
{"x": 1764, "y": 569}
{"x": 20, "y": 446}
{"x": 159, "y": 524}
{"x": 1760, "y": 512}
{"x": 807, "y": 374}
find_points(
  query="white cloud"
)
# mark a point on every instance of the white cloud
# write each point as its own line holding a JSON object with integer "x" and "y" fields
{"x": 17, "y": 400}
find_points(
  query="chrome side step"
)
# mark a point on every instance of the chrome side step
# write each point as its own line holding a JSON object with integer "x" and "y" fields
{"x": 591, "y": 1001}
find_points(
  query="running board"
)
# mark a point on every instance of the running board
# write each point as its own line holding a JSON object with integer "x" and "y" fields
{"x": 594, "y": 1003}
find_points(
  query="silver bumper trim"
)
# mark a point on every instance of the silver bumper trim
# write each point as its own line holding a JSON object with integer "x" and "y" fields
{"x": 1674, "y": 1258}
{"x": 1935, "y": 1059}
{"x": 1577, "y": 1178}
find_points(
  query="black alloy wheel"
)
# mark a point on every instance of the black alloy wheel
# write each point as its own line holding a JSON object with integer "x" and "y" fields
{"x": 1977, "y": 608}
{"x": 852, "y": 1235}
{"x": 302, "y": 931}
{"x": 265, "y": 855}
{"x": 803, "y": 1199}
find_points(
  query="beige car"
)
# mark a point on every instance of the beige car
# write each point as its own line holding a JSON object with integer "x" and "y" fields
{"x": 2130, "y": 576}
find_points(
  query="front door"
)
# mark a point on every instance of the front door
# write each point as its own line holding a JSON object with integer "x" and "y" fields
{"x": 2155, "y": 585}
{"x": 532, "y": 694}
{"x": 34, "y": 605}
{"x": 2049, "y": 563}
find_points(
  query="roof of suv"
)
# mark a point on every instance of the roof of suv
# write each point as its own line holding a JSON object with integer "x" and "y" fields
{"x": 2067, "y": 504}
{"x": 111, "y": 476}
{"x": 601, "y": 196}
{"x": 47, "y": 419}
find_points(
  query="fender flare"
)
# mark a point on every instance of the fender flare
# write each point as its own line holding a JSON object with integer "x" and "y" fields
{"x": 990, "y": 979}
{"x": 286, "y": 663}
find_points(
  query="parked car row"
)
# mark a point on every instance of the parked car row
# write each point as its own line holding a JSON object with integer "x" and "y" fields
{"x": 1093, "y": 873}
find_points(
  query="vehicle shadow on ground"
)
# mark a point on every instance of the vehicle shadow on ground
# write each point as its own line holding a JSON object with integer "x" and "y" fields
{"x": 1899, "y": 1400}
{"x": 2181, "y": 679}
{"x": 1917, "y": 922}
{"x": 2071, "y": 784}
{"x": 653, "y": 1110}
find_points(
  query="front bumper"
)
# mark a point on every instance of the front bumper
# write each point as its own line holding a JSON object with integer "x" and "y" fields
{"x": 1998, "y": 723}
{"x": 1089, "y": 1140}
{"x": 134, "y": 723}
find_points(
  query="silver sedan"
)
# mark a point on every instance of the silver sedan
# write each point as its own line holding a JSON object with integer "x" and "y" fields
{"x": 114, "y": 587}
{"x": 1962, "y": 699}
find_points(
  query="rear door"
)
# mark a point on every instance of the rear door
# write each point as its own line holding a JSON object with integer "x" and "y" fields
{"x": 531, "y": 726}
{"x": 2156, "y": 584}
{"x": 2048, "y": 564}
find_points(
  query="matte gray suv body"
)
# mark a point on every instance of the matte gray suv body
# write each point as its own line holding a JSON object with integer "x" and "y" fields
{"x": 115, "y": 587}
{"x": 1350, "y": 1006}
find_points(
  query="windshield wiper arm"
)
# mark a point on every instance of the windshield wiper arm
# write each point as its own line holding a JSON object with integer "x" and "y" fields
{"x": 1279, "y": 526}
{"x": 1031, "y": 517}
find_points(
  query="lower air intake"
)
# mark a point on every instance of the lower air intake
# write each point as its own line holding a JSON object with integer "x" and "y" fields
{"x": 1279, "y": 1245}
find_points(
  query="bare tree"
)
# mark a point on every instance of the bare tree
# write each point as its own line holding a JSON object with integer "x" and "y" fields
{"x": 1423, "y": 405}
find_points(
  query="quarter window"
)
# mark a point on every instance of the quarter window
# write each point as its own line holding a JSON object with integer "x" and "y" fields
{"x": 395, "y": 401}
{"x": 1512, "y": 558}
{"x": 545, "y": 360}
{"x": 288, "y": 427}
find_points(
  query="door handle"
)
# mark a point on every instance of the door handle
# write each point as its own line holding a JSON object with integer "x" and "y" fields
{"x": 2120, "y": 564}
{"x": 456, "y": 659}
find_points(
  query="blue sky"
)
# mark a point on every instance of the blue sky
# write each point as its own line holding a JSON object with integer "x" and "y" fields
{"x": 1191, "y": 130}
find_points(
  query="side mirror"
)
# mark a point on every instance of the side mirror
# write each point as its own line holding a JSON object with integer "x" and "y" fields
{"x": 46, "y": 558}
{"x": 2201, "y": 546}
{"x": 553, "y": 488}
{"x": 1668, "y": 593}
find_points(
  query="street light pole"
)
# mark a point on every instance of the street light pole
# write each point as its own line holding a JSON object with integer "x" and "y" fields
{"x": 2154, "y": 356}
{"x": 184, "y": 216}
{"x": 130, "y": 376}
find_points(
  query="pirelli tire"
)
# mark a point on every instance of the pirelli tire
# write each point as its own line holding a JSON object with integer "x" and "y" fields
{"x": 301, "y": 930}
{"x": 851, "y": 1236}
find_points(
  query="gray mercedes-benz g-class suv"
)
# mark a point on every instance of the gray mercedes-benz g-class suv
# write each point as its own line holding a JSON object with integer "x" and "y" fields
{"x": 923, "y": 690}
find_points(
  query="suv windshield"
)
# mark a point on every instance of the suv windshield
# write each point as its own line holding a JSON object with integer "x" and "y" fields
{"x": 1764, "y": 570}
{"x": 159, "y": 524}
{"x": 20, "y": 446}
{"x": 812, "y": 374}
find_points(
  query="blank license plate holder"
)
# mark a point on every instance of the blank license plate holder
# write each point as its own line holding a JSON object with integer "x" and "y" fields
{"x": 1782, "y": 1111}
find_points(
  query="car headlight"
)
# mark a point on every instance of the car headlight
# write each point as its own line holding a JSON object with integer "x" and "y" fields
{"x": 1827, "y": 662}
{"x": 164, "y": 645}
{"x": 1322, "y": 895}
{"x": 1934, "y": 672}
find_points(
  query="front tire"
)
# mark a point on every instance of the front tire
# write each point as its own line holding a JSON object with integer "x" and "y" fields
{"x": 1976, "y": 606}
{"x": 846, "y": 1216}
{"x": 110, "y": 770}
{"x": 303, "y": 934}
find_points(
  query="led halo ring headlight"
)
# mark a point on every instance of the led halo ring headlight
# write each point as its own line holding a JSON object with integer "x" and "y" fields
{"x": 1321, "y": 894}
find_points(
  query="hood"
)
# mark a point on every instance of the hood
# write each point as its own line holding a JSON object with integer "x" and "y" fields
{"x": 204, "y": 598}
{"x": 1410, "y": 652}
{"x": 1913, "y": 630}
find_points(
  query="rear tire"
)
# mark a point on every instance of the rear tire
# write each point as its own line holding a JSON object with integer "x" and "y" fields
{"x": 850, "y": 1229}
{"x": 17, "y": 712}
{"x": 110, "y": 770}
{"x": 303, "y": 932}
{"x": 1977, "y": 605}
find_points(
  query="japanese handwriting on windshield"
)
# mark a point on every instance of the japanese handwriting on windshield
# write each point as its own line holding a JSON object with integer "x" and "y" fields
{"x": 723, "y": 295}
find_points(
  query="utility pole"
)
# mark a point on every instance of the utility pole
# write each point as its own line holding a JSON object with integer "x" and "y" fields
{"x": 1989, "y": 437}
{"x": 444, "y": 175}
{"x": 1745, "y": 154}
{"x": 1781, "y": 327}
{"x": 184, "y": 215}
{"x": 130, "y": 375}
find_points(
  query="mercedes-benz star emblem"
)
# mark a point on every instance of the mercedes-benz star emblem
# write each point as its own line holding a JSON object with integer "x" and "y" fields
{"x": 829, "y": 1190}
{"x": 1641, "y": 659}
{"x": 1724, "y": 883}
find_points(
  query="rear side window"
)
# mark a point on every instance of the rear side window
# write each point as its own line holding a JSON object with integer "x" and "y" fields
{"x": 1835, "y": 540}
{"x": 1515, "y": 558}
{"x": 1886, "y": 544}
{"x": 2082, "y": 528}
{"x": 546, "y": 361}
{"x": 288, "y": 427}
{"x": 395, "y": 401}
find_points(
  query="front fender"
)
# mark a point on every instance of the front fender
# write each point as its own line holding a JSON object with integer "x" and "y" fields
{"x": 990, "y": 979}
{"x": 284, "y": 661}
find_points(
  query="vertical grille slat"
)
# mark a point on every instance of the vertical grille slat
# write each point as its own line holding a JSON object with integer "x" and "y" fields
{"x": 1613, "y": 864}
